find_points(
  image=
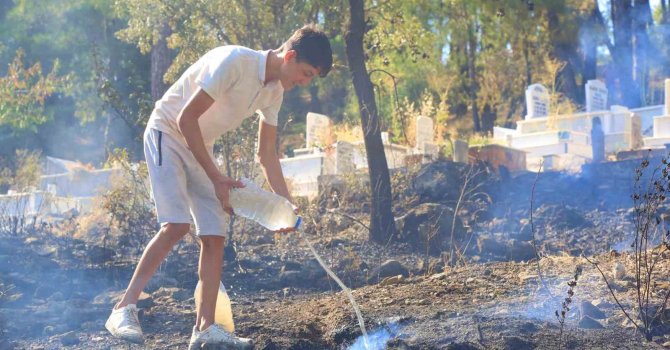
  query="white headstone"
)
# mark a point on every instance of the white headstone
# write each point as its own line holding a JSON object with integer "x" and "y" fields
{"x": 537, "y": 101}
{"x": 424, "y": 132}
{"x": 667, "y": 96}
{"x": 596, "y": 96}
{"x": 344, "y": 158}
{"x": 318, "y": 130}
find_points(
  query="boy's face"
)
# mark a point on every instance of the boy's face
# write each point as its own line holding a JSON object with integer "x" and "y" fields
{"x": 296, "y": 73}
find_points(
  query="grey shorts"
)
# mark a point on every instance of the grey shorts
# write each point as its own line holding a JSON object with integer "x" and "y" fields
{"x": 179, "y": 186}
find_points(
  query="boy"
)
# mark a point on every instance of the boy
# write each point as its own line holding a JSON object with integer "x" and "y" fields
{"x": 213, "y": 96}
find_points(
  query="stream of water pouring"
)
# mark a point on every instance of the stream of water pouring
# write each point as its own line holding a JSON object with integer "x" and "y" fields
{"x": 346, "y": 290}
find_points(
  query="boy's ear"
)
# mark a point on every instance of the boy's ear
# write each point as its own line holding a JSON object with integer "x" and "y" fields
{"x": 290, "y": 54}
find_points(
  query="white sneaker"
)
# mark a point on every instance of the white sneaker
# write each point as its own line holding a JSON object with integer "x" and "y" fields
{"x": 123, "y": 323}
{"x": 215, "y": 335}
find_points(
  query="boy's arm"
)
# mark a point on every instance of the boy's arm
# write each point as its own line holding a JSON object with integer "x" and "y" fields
{"x": 190, "y": 129}
{"x": 269, "y": 160}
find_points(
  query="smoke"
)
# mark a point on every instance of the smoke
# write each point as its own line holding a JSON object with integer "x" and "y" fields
{"x": 378, "y": 338}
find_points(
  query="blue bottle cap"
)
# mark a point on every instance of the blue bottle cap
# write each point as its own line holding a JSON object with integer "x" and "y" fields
{"x": 298, "y": 222}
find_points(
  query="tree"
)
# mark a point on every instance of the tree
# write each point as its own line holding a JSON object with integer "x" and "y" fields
{"x": 382, "y": 225}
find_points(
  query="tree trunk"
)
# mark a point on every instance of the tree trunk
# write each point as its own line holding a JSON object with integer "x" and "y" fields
{"x": 382, "y": 225}
{"x": 642, "y": 21}
{"x": 628, "y": 93}
{"x": 590, "y": 65}
{"x": 566, "y": 52}
{"x": 471, "y": 49}
{"x": 161, "y": 59}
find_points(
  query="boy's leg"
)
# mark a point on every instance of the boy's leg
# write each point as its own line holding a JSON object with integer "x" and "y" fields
{"x": 154, "y": 254}
{"x": 209, "y": 271}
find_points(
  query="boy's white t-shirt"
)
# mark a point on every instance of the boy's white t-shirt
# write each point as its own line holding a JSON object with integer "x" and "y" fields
{"x": 234, "y": 77}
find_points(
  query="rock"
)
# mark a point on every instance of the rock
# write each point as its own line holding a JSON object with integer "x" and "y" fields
{"x": 99, "y": 255}
{"x": 175, "y": 293}
{"x": 516, "y": 343}
{"x": 389, "y": 281}
{"x": 462, "y": 346}
{"x": 388, "y": 269}
{"x": 145, "y": 301}
{"x": 561, "y": 217}
{"x": 588, "y": 309}
{"x": 69, "y": 339}
{"x": 619, "y": 271}
{"x": 528, "y": 327}
{"x": 487, "y": 244}
{"x": 428, "y": 227}
{"x": 520, "y": 250}
{"x": 525, "y": 233}
{"x": 108, "y": 298}
{"x": 160, "y": 279}
{"x": 252, "y": 264}
{"x": 589, "y": 323}
{"x": 666, "y": 344}
{"x": 438, "y": 181}
{"x": 430, "y": 266}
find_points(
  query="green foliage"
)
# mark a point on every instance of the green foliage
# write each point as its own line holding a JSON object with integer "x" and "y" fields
{"x": 24, "y": 91}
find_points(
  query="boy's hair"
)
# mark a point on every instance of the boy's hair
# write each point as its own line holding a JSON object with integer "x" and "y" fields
{"x": 311, "y": 46}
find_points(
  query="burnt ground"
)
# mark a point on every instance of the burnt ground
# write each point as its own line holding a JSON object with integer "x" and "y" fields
{"x": 56, "y": 291}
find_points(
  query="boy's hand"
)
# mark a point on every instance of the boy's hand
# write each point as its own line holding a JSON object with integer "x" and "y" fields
{"x": 222, "y": 187}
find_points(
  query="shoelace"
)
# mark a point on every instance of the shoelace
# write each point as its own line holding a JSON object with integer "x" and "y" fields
{"x": 132, "y": 318}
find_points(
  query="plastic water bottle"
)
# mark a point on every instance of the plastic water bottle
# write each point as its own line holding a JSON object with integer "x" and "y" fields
{"x": 269, "y": 209}
{"x": 223, "y": 313}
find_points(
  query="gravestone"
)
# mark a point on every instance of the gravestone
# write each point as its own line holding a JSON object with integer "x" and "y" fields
{"x": 344, "y": 158}
{"x": 424, "y": 133}
{"x": 460, "y": 151}
{"x": 537, "y": 101}
{"x": 596, "y": 96}
{"x": 636, "y": 140}
{"x": 667, "y": 97}
{"x": 319, "y": 131}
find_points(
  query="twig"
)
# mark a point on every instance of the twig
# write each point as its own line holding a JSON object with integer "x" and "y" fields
{"x": 333, "y": 211}
{"x": 532, "y": 230}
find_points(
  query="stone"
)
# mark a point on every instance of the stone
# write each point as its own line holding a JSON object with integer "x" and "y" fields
{"x": 619, "y": 270}
{"x": 460, "y": 151}
{"x": 587, "y": 322}
{"x": 596, "y": 96}
{"x": 425, "y": 133}
{"x": 487, "y": 244}
{"x": 318, "y": 130}
{"x": 517, "y": 343}
{"x": 69, "y": 339}
{"x": 521, "y": 251}
{"x": 438, "y": 181}
{"x": 389, "y": 268}
{"x": 537, "y": 101}
{"x": 389, "y": 281}
{"x": 588, "y": 309}
{"x": 428, "y": 226}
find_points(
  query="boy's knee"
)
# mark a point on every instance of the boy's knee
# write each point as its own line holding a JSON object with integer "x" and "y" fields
{"x": 175, "y": 231}
{"x": 212, "y": 242}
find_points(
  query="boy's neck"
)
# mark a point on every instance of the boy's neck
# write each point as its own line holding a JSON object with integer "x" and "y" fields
{"x": 273, "y": 65}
